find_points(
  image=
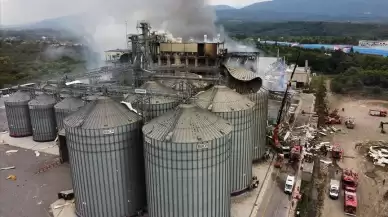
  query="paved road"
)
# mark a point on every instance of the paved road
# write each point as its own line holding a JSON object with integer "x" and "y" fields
{"x": 275, "y": 202}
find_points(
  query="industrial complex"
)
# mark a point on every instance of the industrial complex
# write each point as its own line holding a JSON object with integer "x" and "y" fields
{"x": 173, "y": 132}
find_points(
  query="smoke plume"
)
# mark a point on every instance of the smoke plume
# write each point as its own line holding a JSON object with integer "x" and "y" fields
{"x": 102, "y": 24}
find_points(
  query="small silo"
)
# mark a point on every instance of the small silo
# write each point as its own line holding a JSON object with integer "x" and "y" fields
{"x": 154, "y": 105}
{"x": 18, "y": 114}
{"x": 44, "y": 127}
{"x": 237, "y": 109}
{"x": 187, "y": 157}
{"x": 106, "y": 159}
{"x": 66, "y": 107}
{"x": 260, "y": 114}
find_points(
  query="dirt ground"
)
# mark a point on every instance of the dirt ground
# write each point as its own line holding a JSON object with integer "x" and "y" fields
{"x": 370, "y": 188}
{"x": 30, "y": 194}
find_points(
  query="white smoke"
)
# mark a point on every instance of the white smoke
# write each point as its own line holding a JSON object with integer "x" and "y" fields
{"x": 103, "y": 24}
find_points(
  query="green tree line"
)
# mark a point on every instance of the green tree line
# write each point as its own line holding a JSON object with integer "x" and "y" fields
{"x": 307, "y": 32}
{"x": 21, "y": 62}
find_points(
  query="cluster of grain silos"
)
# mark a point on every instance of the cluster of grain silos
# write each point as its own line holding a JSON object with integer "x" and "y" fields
{"x": 186, "y": 161}
{"x": 31, "y": 116}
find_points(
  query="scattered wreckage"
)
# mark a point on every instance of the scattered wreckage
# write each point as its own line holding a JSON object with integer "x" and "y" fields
{"x": 378, "y": 153}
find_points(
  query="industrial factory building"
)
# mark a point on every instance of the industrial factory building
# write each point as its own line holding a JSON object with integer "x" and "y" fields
{"x": 179, "y": 141}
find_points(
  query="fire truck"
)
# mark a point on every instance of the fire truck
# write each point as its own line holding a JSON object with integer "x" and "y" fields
{"x": 296, "y": 152}
{"x": 379, "y": 113}
{"x": 337, "y": 152}
{"x": 349, "y": 178}
{"x": 350, "y": 201}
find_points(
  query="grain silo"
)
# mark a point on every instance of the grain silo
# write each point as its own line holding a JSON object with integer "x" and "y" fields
{"x": 260, "y": 114}
{"x": 184, "y": 85}
{"x": 153, "y": 106}
{"x": 66, "y": 107}
{"x": 106, "y": 159}
{"x": 237, "y": 109}
{"x": 187, "y": 156}
{"x": 44, "y": 127}
{"x": 18, "y": 114}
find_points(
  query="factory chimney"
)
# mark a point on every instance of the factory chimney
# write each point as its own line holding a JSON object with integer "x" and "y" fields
{"x": 306, "y": 65}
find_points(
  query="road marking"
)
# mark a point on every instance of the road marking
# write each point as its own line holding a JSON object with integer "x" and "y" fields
{"x": 270, "y": 197}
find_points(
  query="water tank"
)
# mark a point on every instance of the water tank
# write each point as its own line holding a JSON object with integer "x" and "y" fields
{"x": 237, "y": 109}
{"x": 187, "y": 158}
{"x": 65, "y": 108}
{"x": 153, "y": 106}
{"x": 18, "y": 114}
{"x": 44, "y": 127}
{"x": 260, "y": 112}
{"x": 106, "y": 159}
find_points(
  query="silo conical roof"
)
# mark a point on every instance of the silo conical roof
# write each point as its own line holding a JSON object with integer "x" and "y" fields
{"x": 222, "y": 99}
{"x": 102, "y": 113}
{"x": 18, "y": 96}
{"x": 70, "y": 103}
{"x": 182, "y": 84}
{"x": 154, "y": 87}
{"x": 42, "y": 99}
{"x": 187, "y": 124}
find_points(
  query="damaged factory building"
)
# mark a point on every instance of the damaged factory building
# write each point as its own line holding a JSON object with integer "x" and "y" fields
{"x": 179, "y": 122}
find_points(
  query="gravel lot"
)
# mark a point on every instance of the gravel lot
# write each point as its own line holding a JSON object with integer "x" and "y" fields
{"x": 31, "y": 194}
{"x": 367, "y": 128}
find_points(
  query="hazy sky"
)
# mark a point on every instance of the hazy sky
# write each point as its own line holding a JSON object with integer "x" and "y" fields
{"x": 27, "y": 11}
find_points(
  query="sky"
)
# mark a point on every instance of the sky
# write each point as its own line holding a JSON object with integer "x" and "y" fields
{"x": 14, "y": 12}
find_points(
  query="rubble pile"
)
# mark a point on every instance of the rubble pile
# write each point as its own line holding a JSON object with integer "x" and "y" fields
{"x": 378, "y": 152}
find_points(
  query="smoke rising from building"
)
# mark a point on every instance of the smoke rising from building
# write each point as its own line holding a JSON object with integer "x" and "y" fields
{"x": 103, "y": 24}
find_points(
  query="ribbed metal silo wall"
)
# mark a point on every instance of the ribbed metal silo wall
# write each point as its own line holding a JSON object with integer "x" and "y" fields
{"x": 107, "y": 170}
{"x": 18, "y": 117}
{"x": 43, "y": 123}
{"x": 185, "y": 180}
{"x": 60, "y": 114}
{"x": 260, "y": 117}
{"x": 241, "y": 160}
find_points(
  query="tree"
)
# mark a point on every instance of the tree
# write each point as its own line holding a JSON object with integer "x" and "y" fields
{"x": 320, "y": 100}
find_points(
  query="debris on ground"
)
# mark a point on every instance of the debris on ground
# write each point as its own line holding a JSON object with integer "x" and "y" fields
{"x": 63, "y": 208}
{"x": 379, "y": 153}
{"x": 66, "y": 195}
{"x": 9, "y": 152}
{"x": 7, "y": 168}
{"x": 11, "y": 177}
{"x": 37, "y": 153}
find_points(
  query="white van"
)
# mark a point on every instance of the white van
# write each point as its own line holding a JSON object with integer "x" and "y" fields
{"x": 290, "y": 181}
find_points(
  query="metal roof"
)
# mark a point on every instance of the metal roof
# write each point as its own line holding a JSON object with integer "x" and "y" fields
{"x": 187, "y": 124}
{"x": 42, "y": 99}
{"x": 70, "y": 103}
{"x": 181, "y": 84}
{"x": 222, "y": 99}
{"x": 18, "y": 96}
{"x": 154, "y": 87}
{"x": 241, "y": 73}
{"x": 101, "y": 113}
